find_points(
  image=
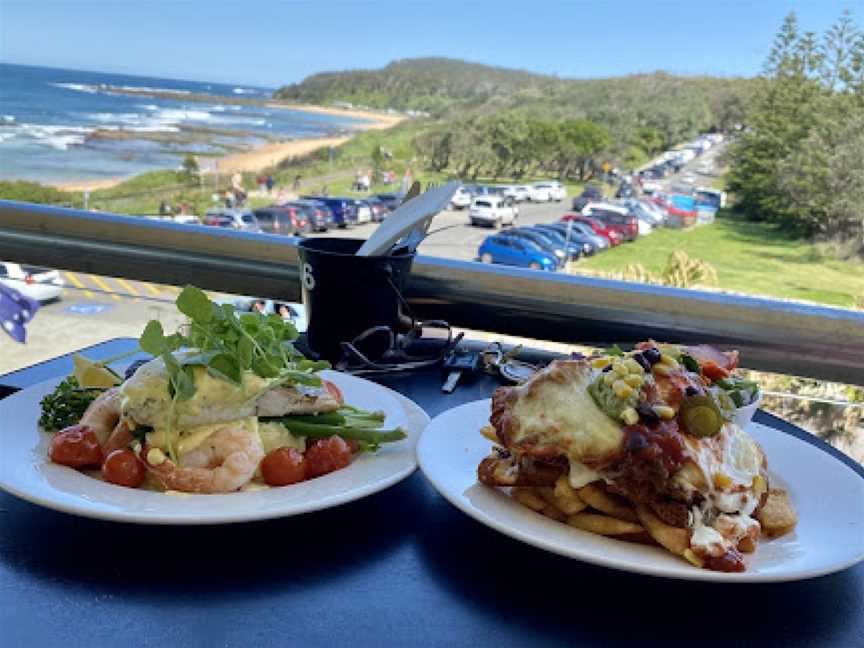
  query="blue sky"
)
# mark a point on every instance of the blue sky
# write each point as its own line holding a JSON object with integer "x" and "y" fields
{"x": 270, "y": 43}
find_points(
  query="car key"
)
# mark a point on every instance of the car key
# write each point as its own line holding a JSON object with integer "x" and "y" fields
{"x": 458, "y": 361}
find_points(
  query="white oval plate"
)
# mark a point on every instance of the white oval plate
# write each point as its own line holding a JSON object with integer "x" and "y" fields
{"x": 828, "y": 496}
{"x": 26, "y": 472}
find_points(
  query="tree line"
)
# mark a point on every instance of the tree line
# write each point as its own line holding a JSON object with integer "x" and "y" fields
{"x": 514, "y": 145}
{"x": 800, "y": 161}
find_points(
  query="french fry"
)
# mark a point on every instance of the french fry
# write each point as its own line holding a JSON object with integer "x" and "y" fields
{"x": 675, "y": 539}
{"x": 602, "y": 524}
{"x": 527, "y": 497}
{"x": 552, "y": 511}
{"x": 607, "y": 503}
{"x": 747, "y": 545}
{"x": 777, "y": 516}
{"x": 489, "y": 432}
{"x": 566, "y": 497}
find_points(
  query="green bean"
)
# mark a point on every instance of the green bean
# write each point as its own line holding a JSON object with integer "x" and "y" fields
{"x": 353, "y": 433}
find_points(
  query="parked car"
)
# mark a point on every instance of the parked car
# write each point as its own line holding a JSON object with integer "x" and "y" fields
{"x": 591, "y": 192}
{"x": 625, "y": 224}
{"x": 515, "y": 252}
{"x": 520, "y": 193}
{"x": 378, "y": 208}
{"x": 711, "y": 196}
{"x": 344, "y": 209}
{"x": 317, "y": 213}
{"x": 546, "y": 244}
{"x": 283, "y": 220}
{"x": 555, "y": 189}
{"x": 597, "y": 226}
{"x": 541, "y": 192}
{"x": 578, "y": 245}
{"x": 393, "y": 200}
{"x": 41, "y": 284}
{"x": 461, "y": 199}
{"x": 493, "y": 211}
{"x": 239, "y": 219}
{"x": 579, "y": 234}
{"x": 363, "y": 209}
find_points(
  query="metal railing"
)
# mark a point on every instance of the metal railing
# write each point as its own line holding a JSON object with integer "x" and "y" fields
{"x": 772, "y": 335}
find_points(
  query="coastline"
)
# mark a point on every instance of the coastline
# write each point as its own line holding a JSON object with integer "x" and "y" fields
{"x": 263, "y": 156}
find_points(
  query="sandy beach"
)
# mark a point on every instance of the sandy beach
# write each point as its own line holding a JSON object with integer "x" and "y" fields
{"x": 267, "y": 155}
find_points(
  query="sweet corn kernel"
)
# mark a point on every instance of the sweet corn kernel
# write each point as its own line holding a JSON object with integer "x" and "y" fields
{"x": 155, "y": 457}
{"x": 622, "y": 389}
{"x": 633, "y": 380}
{"x": 722, "y": 481}
{"x": 662, "y": 369}
{"x": 630, "y": 416}
{"x": 693, "y": 558}
{"x": 602, "y": 361}
{"x": 610, "y": 377}
{"x": 664, "y": 412}
{"x": 620, "y": 369}
{"x": 633, "y": 367}
{"x": 668, "y": 360}
{"x": 759, "y": 484}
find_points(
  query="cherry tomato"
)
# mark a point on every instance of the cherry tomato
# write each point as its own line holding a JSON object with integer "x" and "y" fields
{"x": 713, "y": 371}
{"x": 326, "y": 455}
{"x": 283, "y": 466}
{"x": 123, "y": 468}
{"x": 335, "y": 392}
{"x": 76, "y": 446}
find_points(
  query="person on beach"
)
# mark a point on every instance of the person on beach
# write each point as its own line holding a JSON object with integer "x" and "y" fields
{"x": 407, "y": 179}
{"x": 262, "y": 183}
{"x": 269, "y": 183}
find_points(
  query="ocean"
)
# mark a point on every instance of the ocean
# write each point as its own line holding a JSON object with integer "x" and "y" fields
{"x": 61, "y": 125}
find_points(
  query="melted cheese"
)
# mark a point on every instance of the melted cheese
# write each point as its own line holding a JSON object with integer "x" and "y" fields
{"x": 556, "y": 408}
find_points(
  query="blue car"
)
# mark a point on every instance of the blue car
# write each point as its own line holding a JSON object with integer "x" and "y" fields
{"x": 515, "y": 252}
{"x": 344, "y": 209}
{"x": 587, "y": 243}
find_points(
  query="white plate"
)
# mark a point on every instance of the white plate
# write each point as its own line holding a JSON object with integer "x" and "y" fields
{"x": 26, "y": 472}
{"x": 828, "y": 496}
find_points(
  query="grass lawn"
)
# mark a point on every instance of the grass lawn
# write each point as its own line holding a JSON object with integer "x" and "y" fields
{"x": 752, "y": 258}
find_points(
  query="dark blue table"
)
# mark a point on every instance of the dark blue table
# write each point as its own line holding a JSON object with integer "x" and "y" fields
{"x": 400, "y": 568}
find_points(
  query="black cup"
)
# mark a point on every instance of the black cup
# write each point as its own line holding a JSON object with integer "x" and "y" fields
{"x": 346, "y": 295}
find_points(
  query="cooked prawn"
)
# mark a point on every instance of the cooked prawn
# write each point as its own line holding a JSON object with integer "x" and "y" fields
{"x": 120, "y": 438}
{"x": 223, "y": 463}
{"x": 103, "y": 414}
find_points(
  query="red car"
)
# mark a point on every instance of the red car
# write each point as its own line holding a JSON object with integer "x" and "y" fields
{"x": 600, "y": 228}
{"x": 283, "y": 220}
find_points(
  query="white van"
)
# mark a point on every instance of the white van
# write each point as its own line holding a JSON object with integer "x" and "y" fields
{"x": 492, "y": 210}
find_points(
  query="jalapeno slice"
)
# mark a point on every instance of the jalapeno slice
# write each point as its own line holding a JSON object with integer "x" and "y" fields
{"x": 701, "y": 416}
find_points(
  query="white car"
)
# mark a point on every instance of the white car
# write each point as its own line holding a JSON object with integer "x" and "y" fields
{"x": 461, "y": 199}
{"x": 37, "y": 283}
{"x": 519, "y": 193}
{"x": 492, "y": 210}
{"x": 688, "y": 178}
{"x": 557, "y": 191}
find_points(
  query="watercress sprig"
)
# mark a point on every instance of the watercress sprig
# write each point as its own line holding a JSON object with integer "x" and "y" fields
{"x": 228, "y": 345}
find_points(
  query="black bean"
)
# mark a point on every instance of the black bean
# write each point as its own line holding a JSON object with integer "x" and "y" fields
{"x": 647, "y": 413}
{"x": 691, "y": 390}
{"x": 607, "y": 368}
{"x": 643, "y": 361}
{"x": 652, "y": 355}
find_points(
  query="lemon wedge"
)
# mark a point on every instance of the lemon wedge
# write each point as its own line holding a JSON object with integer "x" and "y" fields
{"x": 92, "y": 374}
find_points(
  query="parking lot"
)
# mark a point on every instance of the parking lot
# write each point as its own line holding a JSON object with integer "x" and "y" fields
{"x": 94, "y": 308}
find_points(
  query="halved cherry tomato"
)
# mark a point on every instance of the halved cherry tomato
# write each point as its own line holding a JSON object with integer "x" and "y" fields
{"x": 283, "y": 466}
{"x": 326, "y": 455}
{"x": 335, "y": 392}
{"x": 123, "y": 468}
{"x": 76, "y": 446}
{"x": 714, "y": 372}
